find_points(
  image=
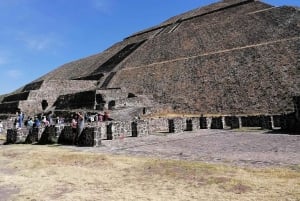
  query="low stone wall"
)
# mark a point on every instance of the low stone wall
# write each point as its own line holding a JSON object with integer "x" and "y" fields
{"x": 49, "y": 135}
{"x": 176, "y": 125}
{"x": 140, "y": 128}
{"x": 159, "y": 124}
{"x": 94, "y": 132}
{"x": 15, "y": 136}
{"x": 89, "y": 137}
{"x": 33, "y": 136}
{"x": 67, "y": 136}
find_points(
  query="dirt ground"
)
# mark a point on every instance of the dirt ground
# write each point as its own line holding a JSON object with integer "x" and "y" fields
{"x": 208, "y": 165}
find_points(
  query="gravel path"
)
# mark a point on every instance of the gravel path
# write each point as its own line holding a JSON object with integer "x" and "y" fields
{"x": 239, "y": 148}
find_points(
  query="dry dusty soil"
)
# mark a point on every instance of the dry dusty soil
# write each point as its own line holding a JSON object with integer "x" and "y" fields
{"x": 216, "y": 165}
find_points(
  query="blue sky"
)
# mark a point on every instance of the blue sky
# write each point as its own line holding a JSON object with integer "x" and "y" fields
{"x": 38, "y": 36}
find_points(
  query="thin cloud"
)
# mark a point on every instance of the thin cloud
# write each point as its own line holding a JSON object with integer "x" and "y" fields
{"x": 104, "y": 6}
{"x": 2, "y": 60}
{"x": 14, "y": 74}
{"x": 40, "y": 42}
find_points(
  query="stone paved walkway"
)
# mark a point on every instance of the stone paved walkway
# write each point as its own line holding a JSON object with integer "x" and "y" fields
{"x": 257, "y": 148}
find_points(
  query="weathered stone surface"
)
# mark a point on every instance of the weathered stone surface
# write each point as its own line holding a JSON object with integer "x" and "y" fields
{"x": 232, "y": 58}
{"x": 67, "y": 136}
{"x": 33, "y": 136}
{"x": 16, "y": 135}
{"x": 49, "y": 136}
{"x": 89, "y": 137}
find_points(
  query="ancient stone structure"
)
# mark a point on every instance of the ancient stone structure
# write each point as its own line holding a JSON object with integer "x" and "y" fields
{"x": 118, "y": 130}
{"x": 234, "y": 63}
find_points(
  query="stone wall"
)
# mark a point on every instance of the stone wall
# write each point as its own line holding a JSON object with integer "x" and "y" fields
{"x": 89, "y": 137}
{"x": 67, "y": 136}
{"x": 158, "y": 125}
{"x": 30, "y": 102}
{"x": 33, "y": 136}
{"x": 9, "y": 108}
{"x": 16, "y": 97}
{"x": 82, "y": 100}
{"x": 94, "y": 132}
{"x": 49, "y": 136}
{"x": 15, "y": 136}
{"x": 142, "y": 128}
{"x": 33, "y": 86}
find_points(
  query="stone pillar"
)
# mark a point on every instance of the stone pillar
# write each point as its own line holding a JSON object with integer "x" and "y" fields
{"x": 240, "y": 122}
{"x": 33, "y": 136}
{"x": 203, "y": 123}
{"x": 103, "y": 130}
{"x": 235, "y": 122}
{"x": 209, "y": 122}
{"x": 176, "y": 125}
{"x": 189, "y": 125}
{"x": 49, "y": 136}
{"x": 89, "y": 137}
{"x": 97, "y": 136}
{"x": 277, "y": 120}
{"x": 216, "y": 123}
{"x": 109, "y": 131}
{"x": 67, "y": 136}
{"x": 16, "y": 135}
{"x": 195, "y": 123}
{"x": 142, "y": 128}
{"x": 11, "y": 136}
{"x": 118, "y": 130}
{"x": 134, "y": 129}
{"x": 267, "y": 122}
{"x": 226, "y": 125}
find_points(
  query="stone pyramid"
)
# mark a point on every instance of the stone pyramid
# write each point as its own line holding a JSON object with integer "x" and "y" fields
{"x": 234, "y": 57}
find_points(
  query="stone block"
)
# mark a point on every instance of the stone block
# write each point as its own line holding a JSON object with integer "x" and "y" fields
{"x": 217, "y": 123}
{"x": 176, "y": 125}
{"x": 203, "y": 123}
{"x": 16, "y": 135}
{"x": 67, "y": 136}
{"x": 89, "y": 137}
{"x": 140, "y": 128}
{"x": 33, "y": 136}
{"x": 49, "y": 136}
{"x": 233, "y": 122}
{"x": 267, "y": 122}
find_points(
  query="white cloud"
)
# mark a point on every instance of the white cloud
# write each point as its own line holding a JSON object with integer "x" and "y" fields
{"x": 40, "y": 42}
{"x": 104, "y": 6}
{"x": 14, "y": 74}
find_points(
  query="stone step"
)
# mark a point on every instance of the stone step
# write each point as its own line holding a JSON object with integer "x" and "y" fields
{"x": 16, "y": 97}
{"x": 9, "y": 107}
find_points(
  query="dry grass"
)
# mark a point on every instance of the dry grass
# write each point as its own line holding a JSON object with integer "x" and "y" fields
{"x": 30, "y": 172}
{"x": 2, "y": 136}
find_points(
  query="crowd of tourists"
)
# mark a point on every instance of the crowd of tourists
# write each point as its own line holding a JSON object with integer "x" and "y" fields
{"x": 77, "y": 120}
